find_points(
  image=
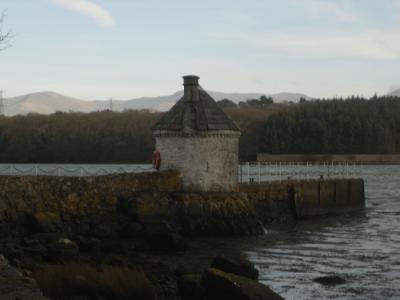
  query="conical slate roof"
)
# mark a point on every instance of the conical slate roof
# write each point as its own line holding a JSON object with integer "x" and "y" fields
{"x": 195, "y": 111}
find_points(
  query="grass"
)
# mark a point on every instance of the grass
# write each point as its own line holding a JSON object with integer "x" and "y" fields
{"x": 106, "y": 282}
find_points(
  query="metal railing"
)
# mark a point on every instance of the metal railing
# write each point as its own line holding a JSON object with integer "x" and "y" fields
{"x": 248, "y": 172}
{"x": 278, "y": 171}
{"x": 71, "y": 170}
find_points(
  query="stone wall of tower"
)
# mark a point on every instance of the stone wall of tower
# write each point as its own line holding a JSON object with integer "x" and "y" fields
{"x": 206, "y": 162}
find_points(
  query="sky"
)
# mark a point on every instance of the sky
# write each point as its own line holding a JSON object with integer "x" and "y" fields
{"x": 96, "y": 49}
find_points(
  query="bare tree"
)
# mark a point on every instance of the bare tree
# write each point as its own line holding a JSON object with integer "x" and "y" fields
{"x": 5, "y": 35}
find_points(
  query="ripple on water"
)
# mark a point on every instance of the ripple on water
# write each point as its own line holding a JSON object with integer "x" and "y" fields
{"x": 364, "y": 249}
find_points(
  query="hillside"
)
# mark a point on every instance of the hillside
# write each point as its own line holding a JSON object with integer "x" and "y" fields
{"x": 50, "y": 102}
{"x": 395, "y": 93}
{"x": 47, "y": 103}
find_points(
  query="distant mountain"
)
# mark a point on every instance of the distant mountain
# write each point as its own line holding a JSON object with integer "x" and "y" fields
{"x": 395, "y": 93}
{"x": 163, "y": 103}
{"x": 50, "y": 102}
{"x": 47, "y": 103}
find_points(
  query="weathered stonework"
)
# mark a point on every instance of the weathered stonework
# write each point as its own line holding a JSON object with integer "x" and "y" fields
{"x": 206, "y": 163}
{"x": 200, "y": 141}
{"x": 108, "y": 206}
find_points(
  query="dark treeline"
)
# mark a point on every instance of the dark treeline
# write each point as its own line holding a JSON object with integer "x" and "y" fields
{"x": 353, "y": 125}
{"x": 100, "y": 137}
{"x": 262, "y": 101}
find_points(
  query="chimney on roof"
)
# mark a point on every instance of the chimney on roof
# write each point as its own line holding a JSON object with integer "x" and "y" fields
{"x": 191, "y": 88}
{"x": 199, "y": 140}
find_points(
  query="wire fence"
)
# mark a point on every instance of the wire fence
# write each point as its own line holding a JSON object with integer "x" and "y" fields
{"x": 71, "y": 170}
{"x": 278, "y": 171}
{"x": 248, "y": 172}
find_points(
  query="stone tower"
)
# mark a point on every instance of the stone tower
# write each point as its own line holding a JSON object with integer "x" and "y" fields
{"x": 198, "y": 139}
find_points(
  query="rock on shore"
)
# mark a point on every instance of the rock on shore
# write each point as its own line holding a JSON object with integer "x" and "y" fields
{"x": 219, "y": 285}
{"x": 14, "y": 285}
{"x": 230, "y": 277}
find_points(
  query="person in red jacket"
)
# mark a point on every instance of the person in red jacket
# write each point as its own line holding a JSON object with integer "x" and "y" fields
{"x": 156, "y": 159}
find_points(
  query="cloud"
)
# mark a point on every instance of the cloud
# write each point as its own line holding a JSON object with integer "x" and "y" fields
{"x": 326, "y": 43}
{"x": 321, "y": 41}
{"x": 394, "y": 3}
{"x": 88, "y": 8}
{"x": 339, "y": 10}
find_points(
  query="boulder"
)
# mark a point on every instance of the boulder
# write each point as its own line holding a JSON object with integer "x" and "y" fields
{"x": 190, "y": 287}
{"x": 47, "y": 222}
{"x": 35, "y": 250}
{"x": 219, "y": 285}
{"x": 87, "y": 243}
{"x": 37, "y": 245}
{"x": 235, "y": 264}
{"x": 130, "y": 229}
{"x": 11, "y": 248}
{"x": 103, "y": 231}
{"x": 189, "y": 284}
{"x": 161, "y": 236}
{"x": 63, "y": 249}
{"x": 330, "y": 280}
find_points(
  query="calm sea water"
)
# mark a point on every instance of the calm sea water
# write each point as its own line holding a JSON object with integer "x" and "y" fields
{"x": 363, "y": 248}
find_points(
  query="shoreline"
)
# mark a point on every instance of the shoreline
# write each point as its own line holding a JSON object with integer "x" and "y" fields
{"x": 81, "y": 231}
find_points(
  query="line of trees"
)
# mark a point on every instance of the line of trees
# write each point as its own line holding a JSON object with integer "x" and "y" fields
{"x": 100, "y": 137}
{"x": 354, "y": 125}
{"x": 262, "y": 101}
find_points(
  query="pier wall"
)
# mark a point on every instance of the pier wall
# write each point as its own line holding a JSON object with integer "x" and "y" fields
{"x": 324, "y": 197}
{"x": 307, "y": 198}
{"x": 135, "y": 205}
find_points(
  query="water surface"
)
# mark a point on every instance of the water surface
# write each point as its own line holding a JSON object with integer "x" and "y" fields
{"x": 363, "y": 248}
